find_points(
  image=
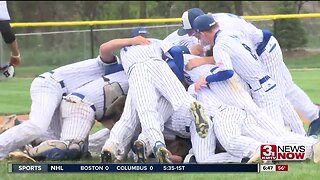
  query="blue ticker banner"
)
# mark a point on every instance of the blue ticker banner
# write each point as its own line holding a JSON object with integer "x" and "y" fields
{"x": 120, "y": 168}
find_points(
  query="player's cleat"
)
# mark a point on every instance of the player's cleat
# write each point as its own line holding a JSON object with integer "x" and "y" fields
{"x": 20, "y": 156}
{"x": 106, "y": 157}
{"x": 162, "y": 154}
{"x": 140, "y": 149}
{"x": 200, "y": 119}
{"x": 8, "y": 123}
{"x": 316, "y": 152}
{"x": 190, "y": 159}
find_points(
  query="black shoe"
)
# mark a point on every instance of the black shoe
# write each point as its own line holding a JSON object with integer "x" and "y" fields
{"x": 245, "y": 160}
{"x": 139, "y": 148}
{"x": 106, "y": 157}
{"x": 314, "y": 128}
{"x": 190, "y": 159}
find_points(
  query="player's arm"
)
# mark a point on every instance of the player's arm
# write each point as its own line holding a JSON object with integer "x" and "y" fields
{"x": 216, "y": 76}
{"x": 106, "y": 49}
{"x": 221, "y": 72}
{"x": 196, "y": 62}
{"x": 10, "y": 39}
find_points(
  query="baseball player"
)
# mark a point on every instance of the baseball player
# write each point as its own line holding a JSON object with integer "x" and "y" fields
{"x": 223, "y": 88}
{"x": 269, "y": 53}
{"x": 102, "y": 99}
{"x": 8, "y": 34}
{"x": 241, "y": 135}
{"x": 229, "y": 52}
{"x": 47, "y": 90}
{"x": 149, "y": 78}
{"x": 180, "y": 124}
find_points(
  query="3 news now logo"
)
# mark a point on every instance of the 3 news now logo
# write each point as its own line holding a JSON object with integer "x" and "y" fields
{"x": 282, "y": 152}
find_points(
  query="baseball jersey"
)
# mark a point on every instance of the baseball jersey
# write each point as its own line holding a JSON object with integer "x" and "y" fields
{"x": 4, "y": 14}
{"x": 233, "y": 22}
{"x": 95, "y": 93}
{"x": 76, "y": 74}
{"x": 131, "y": 55}
{"x": 184, "y": 40}
{"x": 229, "y": 51}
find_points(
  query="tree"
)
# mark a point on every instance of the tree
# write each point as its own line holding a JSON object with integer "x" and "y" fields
{"x": 238, "y": 8}
{"x": 289, "y": 32}
{"x": 143, "y": 10}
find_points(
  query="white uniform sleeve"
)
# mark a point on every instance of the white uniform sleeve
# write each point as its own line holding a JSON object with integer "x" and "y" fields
{"x": 4, "y": 14}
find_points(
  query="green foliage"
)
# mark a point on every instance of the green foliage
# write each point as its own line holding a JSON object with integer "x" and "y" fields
{"x": 289, "y": 32}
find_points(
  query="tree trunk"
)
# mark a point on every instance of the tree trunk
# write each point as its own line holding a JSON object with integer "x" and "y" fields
{"x": 238, "y": 7}
{"x": 143, "y": 10}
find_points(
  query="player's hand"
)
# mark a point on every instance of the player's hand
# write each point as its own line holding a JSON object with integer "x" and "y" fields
{"x": 15, "y": 60}
{"x": 139, "y": 40}
{"x": 192, "y": 64}
{"x": 201, "y": 82}
{"x": 196, "y": 49}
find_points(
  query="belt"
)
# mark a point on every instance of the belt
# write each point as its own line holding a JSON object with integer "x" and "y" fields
{"x": 60, "y": 82}
{"x": 262, "y": 80}
{"x": 82, "y": 97}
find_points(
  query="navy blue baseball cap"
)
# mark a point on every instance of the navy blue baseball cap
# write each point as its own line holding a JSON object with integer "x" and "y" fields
{"x": 203, "y": 23}
{"x": 138, "y": 31}
{"x": 188, "y": 18}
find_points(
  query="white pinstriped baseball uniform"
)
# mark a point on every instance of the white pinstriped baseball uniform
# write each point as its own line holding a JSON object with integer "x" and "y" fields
{"x": 238, "y": 132}
{"x": 149, "y": 78}
{"x": 273, "y": 61}
{"x": 229, "y": 52}
{"x": 4, "y": 14}
{"x": 80, "y": 108}
{"x": 46, "y": 94}
{"x": 241, "y": 131}
{"x": 271, "y": 58}
{"x": 184, "y": 40}
{"x": 232, "y": 92}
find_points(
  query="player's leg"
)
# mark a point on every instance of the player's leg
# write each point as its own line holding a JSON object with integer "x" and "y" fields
{"x": 253, "y": 130}
{"x": 97, "y": 140}
{"x": 145, "y": 101}
{"x": 302, "y": 103}
{"x": 272, "y": 58}
{"x": 228, "y": 124}
{"x": 291, "y": 118}
{"x": 170, "y": 87}
{"x": 204, "y": 148}
{"x": 143, "y": 146}
{"x": 46, "y": 96}
{"x": 77, "y": 115}
{"x": 121, "y": 133}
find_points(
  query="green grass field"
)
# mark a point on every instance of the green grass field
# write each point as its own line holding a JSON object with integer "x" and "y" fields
{"x": 15, "y": 99}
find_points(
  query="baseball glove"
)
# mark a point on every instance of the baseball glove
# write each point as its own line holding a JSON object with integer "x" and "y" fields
{"x": 20, "y": 156}
{"x": 6, "y": 72}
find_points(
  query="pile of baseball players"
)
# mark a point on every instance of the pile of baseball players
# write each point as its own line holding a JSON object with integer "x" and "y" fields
{"x": 212, "y": 91}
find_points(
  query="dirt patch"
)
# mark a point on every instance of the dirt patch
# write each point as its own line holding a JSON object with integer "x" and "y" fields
{"x": 22, "y": 117}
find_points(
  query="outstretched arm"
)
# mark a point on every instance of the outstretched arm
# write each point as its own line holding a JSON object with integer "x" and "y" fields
{"x": 196, "y": 62}
{"x": 106, "y": 49}
{"x": 216, "y": 76}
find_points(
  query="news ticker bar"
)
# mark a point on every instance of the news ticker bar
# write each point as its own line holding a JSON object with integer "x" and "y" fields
{"x": 116, "y": 168}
